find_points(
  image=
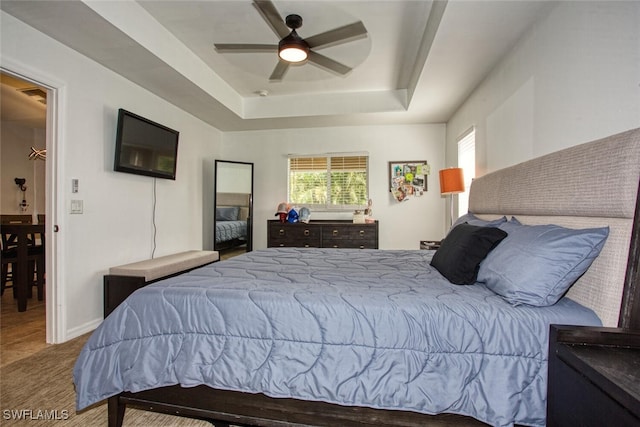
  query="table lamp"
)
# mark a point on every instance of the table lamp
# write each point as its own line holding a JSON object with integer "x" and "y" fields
{"x": 451, "y": 182}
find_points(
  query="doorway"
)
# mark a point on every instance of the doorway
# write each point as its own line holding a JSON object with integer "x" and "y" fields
{"x": 27, "y": 150}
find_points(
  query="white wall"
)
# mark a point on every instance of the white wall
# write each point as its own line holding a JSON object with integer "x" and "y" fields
{"x": 116, "y": 226}
{"x": 401, "y": 225}
{"x": 233, "y": 178}
{"x": 574, "y": 77}
{"x": 17, "y": 140}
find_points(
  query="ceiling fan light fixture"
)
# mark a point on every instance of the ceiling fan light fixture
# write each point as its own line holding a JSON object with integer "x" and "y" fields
{"x": 292, "y": 48}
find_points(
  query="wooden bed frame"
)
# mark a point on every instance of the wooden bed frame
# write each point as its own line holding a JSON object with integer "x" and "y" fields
{"x": 224, "y": 408}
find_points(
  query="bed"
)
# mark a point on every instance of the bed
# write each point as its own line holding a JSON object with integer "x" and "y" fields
{"x": 286, "y": 336}
{"x": 232, "y": 212}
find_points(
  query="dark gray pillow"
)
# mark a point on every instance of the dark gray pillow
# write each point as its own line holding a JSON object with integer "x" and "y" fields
{"x": 470, "y": 218}
{"x": 461, "y": 252}
{"x": 227, "y": 214}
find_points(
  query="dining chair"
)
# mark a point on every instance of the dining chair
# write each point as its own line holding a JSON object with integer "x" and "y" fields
{"x": 35, "y": 257}
{"x": 9, "y": 258}
{"x": 9, "y": 248}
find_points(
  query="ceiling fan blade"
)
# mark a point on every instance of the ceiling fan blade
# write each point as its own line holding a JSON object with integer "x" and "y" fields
{"x": 281, "y": 69}
{"x": 240, "y": 48}
{"x": 339, "y": 35}
{"x": 270, "y": 14}
{"x": 328, "y": 63}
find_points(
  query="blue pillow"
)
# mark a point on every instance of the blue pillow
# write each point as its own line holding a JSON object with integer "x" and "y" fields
{"x": 537, "y": 264}
{"x": 227, "y": 214}
{"x": 471, "y": 219}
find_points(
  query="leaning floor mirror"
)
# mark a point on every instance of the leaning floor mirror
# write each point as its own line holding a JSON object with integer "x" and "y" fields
{"x": 233, "y": 223}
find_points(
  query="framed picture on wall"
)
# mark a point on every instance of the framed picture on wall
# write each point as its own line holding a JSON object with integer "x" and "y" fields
{"x": 408, "y": 179}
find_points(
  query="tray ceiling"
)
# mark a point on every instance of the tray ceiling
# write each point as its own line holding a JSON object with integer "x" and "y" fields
{"x": 418, "y": 63}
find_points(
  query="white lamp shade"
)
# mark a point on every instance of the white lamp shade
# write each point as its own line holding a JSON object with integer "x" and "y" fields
{"x": 292, "y": 54}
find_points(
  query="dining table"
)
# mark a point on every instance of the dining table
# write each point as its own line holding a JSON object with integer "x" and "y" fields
{"x": 20, "y": 270}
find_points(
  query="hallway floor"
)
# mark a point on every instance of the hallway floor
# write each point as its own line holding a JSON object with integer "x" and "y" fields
{"x": 21, "y": 334}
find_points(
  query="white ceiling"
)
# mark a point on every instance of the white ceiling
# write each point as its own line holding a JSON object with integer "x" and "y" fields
{"x": 17, "y": 106}
{"x": 418, "y": 63}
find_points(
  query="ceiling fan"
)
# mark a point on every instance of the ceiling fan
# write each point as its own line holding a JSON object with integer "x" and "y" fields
{"x": 293, "y": 49}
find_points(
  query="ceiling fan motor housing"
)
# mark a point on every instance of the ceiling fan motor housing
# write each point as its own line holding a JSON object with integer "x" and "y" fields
{"x": 293, "y": 21}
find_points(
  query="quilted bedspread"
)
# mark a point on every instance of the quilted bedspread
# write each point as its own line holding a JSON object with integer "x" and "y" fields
{"x": 377, "y": 328}
{"x": 229, "y": 230}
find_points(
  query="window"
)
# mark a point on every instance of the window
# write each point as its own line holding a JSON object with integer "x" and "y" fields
{"x": 329, "y": 182}
{"x": 466, "y": 161}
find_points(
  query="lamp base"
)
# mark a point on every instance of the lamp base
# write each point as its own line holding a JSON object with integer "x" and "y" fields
{"x": 451, "y": 209}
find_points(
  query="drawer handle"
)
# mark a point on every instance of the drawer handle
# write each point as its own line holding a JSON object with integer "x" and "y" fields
{"x": 306, "y": 232}
{"x": 361, "y": 246}
{"x": 281, "y": 232}
{"x": 361, "y": 232}
{"x": 335, "y": 246}
{"x": 335, "y": 232}
{"x": 282, "y": 245}
{"x": 306, "y": 245}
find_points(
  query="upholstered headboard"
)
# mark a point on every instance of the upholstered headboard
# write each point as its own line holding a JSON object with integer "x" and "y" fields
{"x": 589, "y": 185}
{"x": 241, "y": 200}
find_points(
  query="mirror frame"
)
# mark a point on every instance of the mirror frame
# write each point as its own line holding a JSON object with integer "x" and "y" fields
{"x": 249, "y": 245}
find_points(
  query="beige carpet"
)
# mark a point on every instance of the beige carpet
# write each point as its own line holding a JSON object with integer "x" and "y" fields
{"x": 40, "y": 389}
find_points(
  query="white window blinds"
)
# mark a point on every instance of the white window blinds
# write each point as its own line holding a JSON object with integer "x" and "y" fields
{"x": 466, "y": 161}
{"x": 330, "y": 182}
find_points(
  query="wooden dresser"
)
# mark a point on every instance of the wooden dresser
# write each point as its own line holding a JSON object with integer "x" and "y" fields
{"x": 322, "y": 234}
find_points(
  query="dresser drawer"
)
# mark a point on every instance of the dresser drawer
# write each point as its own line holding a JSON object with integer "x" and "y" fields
{"x": 349, "y": 244}
{"x": 294, "y": 235}
{"x": 349, "y": 236}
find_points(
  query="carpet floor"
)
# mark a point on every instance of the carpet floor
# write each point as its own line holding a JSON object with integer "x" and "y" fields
{"x": 38, "y": 390}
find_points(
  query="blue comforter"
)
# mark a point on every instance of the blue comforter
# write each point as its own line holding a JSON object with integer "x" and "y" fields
{"x": 354, "y": 327}
{"x": 229, "y": 230}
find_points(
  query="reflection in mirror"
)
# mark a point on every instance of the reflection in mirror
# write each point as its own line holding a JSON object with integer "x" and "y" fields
{"x": 233, "y": 222}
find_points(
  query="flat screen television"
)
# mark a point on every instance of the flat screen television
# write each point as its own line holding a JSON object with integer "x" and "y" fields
{"x": 144, "y": 147}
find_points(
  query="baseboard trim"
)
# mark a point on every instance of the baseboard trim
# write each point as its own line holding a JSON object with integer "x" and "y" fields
{"x": 81, "y": 330}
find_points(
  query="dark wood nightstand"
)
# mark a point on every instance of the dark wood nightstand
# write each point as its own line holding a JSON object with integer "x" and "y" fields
{"x": 430, "y": 244}
{"x": 594, "y": 377}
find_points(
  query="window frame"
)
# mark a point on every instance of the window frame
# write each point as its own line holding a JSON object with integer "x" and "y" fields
{"x": 328, "y": 206}
{"x": 467, "y": 161}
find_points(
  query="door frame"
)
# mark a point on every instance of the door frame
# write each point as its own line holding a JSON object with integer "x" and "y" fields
{"x": 55, "y": 301}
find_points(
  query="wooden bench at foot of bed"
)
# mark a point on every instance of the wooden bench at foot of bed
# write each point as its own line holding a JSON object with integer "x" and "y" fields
{"x": 123, "y": 280}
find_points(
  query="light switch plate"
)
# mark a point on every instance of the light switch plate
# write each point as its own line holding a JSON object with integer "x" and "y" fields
{"x": 76, "y": 206}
